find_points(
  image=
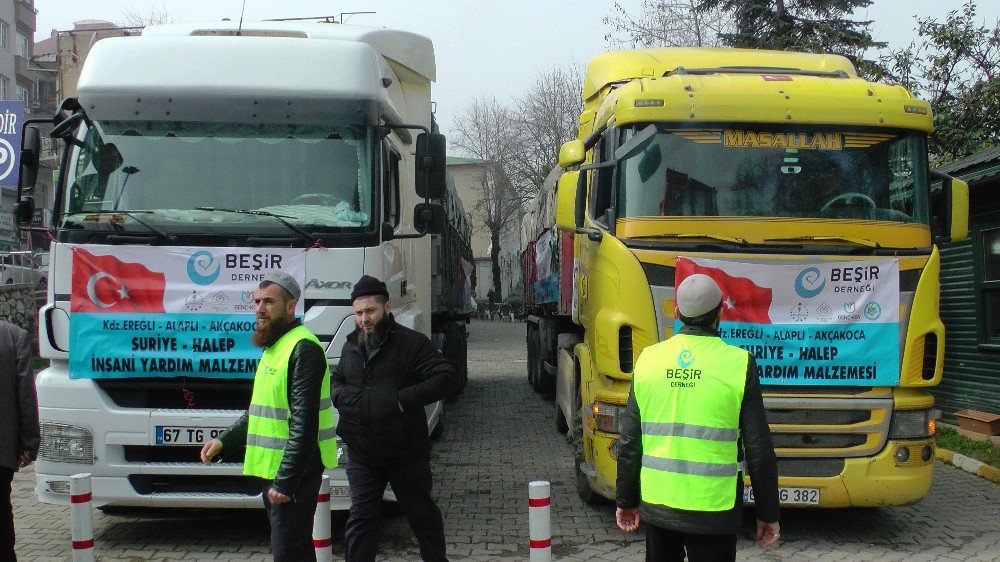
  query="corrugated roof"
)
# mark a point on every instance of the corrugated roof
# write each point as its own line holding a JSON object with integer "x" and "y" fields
{"x": 981, "y": 161}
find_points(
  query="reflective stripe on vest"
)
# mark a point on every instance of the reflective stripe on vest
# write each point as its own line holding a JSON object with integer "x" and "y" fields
{"x": 267, "y": 425}
{"x": 689, "y": 390}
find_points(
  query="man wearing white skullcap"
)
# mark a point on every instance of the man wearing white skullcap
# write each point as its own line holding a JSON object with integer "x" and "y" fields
{"x": 694, "y": 407}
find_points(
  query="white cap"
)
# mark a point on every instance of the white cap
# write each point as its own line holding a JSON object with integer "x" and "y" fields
{"x": 697, "y": 294}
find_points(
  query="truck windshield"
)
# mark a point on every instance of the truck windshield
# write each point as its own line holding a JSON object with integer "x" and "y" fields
{"x": 317, "y": 177}
{"x": 740, "y": 172}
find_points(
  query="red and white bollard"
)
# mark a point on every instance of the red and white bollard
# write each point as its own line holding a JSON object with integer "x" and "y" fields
{"x": 82, "y": 513}
{"x": 322, "y": 533}
{"x": 539, "y": 522}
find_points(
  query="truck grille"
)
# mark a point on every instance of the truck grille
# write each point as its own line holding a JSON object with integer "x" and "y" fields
{"x": 187, "y": 484}
{"x": 179, "y": 393}
{"x": 148, "y": 454}
{"x": 828, "y": 422}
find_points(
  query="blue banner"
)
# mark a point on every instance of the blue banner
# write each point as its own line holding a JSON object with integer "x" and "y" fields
{"x": 11, "y": 118}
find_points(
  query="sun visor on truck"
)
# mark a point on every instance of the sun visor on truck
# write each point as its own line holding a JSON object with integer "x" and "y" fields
{"x": 234, "y": 79}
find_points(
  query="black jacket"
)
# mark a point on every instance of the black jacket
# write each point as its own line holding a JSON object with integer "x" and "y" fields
{"x": 306, "y": 367}
{"x": 405, "y": 370}
{"x": 761, "y": 462}
{"x": 18, "y": 403}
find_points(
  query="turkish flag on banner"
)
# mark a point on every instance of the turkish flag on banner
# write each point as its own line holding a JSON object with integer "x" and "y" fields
{"x": 107, "y": 284}
{"x": 742, "y": 299}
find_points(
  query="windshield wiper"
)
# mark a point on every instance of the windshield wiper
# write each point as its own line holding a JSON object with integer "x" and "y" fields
{"x": 132, "y": 215}
{"x": 856, "y": 241}
{"x": 280, "y": 218}
{"x": 731, "y": 240}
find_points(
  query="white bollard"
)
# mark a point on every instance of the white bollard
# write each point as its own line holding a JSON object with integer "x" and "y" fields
{"x": 82, "y": 513}
{"x": 539, "y": 522}
{"x": 322, "y": 533}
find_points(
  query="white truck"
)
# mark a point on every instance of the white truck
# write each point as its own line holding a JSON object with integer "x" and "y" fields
{"x": 225, "y": 148}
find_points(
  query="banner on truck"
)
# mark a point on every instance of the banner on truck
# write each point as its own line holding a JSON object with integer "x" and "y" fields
{"x": 142, "y": 311}
{"x": 832, "y": 323}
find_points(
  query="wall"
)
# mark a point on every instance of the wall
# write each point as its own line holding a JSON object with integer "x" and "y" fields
{"x": 18, "y": 306}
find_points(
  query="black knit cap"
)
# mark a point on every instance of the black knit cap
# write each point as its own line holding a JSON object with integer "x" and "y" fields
{"x": 368, "y": 286}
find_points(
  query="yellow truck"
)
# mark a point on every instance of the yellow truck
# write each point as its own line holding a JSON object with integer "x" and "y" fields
{"x": 805, "y": 191}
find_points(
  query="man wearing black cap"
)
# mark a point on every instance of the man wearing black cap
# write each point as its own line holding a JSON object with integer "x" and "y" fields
{"x": 288, "y": 429}
{"x": 386, "y": 375}
{"x": 694, "y": 407}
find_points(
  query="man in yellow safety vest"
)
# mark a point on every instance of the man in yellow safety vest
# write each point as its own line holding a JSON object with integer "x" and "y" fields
{"x": 288, "y": 429}
{"x": 694, "y": 412}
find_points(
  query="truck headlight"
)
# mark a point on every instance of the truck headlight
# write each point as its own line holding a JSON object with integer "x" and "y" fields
{"x": 912, "y": 424}
{"x": 608, "y": 417}
{"x": 63, "y": 442}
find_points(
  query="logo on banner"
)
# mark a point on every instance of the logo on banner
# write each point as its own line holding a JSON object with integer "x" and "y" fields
{"x": 685, "y": 358}
{"x": 107, "y": 284}
{"x": 199, "y": 268}
{"x": 809, "y": 283}
{"x": 6, "y": 159}
{"x": 873, "y": 311}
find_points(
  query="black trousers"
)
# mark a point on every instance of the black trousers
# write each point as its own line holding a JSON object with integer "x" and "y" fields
{"x": 6, "y": 517}
{"x": 292, "y": 522}
{"x": 664, "y": 545}
{"x": 411, "y": 482}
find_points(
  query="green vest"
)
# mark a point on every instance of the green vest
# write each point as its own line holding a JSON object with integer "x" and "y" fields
{"x": 267, "y": 427}
{"x": 689, "y": 390}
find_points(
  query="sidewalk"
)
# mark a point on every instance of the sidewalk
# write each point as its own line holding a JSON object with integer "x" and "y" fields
{"x": 969, "y": 464}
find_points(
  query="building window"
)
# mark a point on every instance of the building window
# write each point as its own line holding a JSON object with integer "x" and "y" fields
{"x": 22, "y": 94}
{"x": 990, "y": 286}
{"x": 4, "y": 87}
{"x": 4, "y": 34}
{"x": 23, "y": 46}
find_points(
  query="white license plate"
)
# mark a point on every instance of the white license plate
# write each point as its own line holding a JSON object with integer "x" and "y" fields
{"x": 183, "y": 435}
{"x": 340, "y": 491}
{"x": 788, "y": 496}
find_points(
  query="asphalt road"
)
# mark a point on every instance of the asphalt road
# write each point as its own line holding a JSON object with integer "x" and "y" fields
{"x": 498, "y": 437}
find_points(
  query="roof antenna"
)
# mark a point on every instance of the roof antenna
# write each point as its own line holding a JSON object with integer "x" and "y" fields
{"x": 239, "y": 30}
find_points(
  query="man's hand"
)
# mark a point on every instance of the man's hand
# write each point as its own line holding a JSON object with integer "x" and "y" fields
{"x": 277, "y": 497}
{"x": 627, "y": 519}
{"x": 210, "y": 450}
{"x": 768, "y": 533}
{"x": 24, "y": 460}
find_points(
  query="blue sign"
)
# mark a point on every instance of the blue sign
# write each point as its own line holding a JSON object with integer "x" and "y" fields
{"x": 11, "y": 117}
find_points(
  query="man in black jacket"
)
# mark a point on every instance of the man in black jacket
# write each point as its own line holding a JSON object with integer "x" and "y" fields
{"x": 289, "y": 489}
{"x": 386, "y": 375}
{"x": 682, "y": 438}
{"x": 18, "y": 423}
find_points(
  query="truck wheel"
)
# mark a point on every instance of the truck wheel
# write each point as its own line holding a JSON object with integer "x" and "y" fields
{"x": 561, "y": 425}
{"x": 533, "y": 359}
{"x": 583, "y": 489}
{"x": 456, "y": 351}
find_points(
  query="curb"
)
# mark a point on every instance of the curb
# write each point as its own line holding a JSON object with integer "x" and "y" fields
{"x": 969, "y": 464}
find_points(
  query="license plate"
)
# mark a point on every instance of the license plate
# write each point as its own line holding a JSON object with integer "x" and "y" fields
{"x": 183, "y": 435}
{"x": 788, "y": 496}
{"x": 340, "y": 491}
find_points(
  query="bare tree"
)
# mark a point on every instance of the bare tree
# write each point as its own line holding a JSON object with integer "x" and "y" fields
{"x": 663, "y": 23}
{"x": 547, "y": 116}
{"x": 132, "y": 17}
{"x": 486, "y": 131}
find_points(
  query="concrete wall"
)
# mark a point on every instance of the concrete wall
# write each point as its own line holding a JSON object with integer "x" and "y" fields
{"x": 18, "y": 306}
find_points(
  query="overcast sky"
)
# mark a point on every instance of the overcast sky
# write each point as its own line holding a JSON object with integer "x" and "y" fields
{"x": 483, "y": 48}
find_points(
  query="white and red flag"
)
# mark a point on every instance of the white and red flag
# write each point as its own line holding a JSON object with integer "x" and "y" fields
{"x": 108, "y": 284}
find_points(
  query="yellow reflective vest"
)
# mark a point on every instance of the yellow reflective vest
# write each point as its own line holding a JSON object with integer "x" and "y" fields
{"x": 267, "y": 423}
{"x": 689, "y": 390}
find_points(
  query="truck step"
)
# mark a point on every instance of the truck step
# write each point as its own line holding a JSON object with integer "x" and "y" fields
{"x": 588, "y": 468}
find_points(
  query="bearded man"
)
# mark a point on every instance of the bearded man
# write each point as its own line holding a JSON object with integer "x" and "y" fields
{"x": 386, "y": 375}
{"x": 288, "y": 429}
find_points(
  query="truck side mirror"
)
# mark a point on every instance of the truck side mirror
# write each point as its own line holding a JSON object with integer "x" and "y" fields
{"x": 571, "y": 153}
{"x": 429, "y": 218}
{"x": 430, "y": 169}
{"x": 950, "y": 208}
{"x": 566, "y": 201}
{"x": 31, "y": 148}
